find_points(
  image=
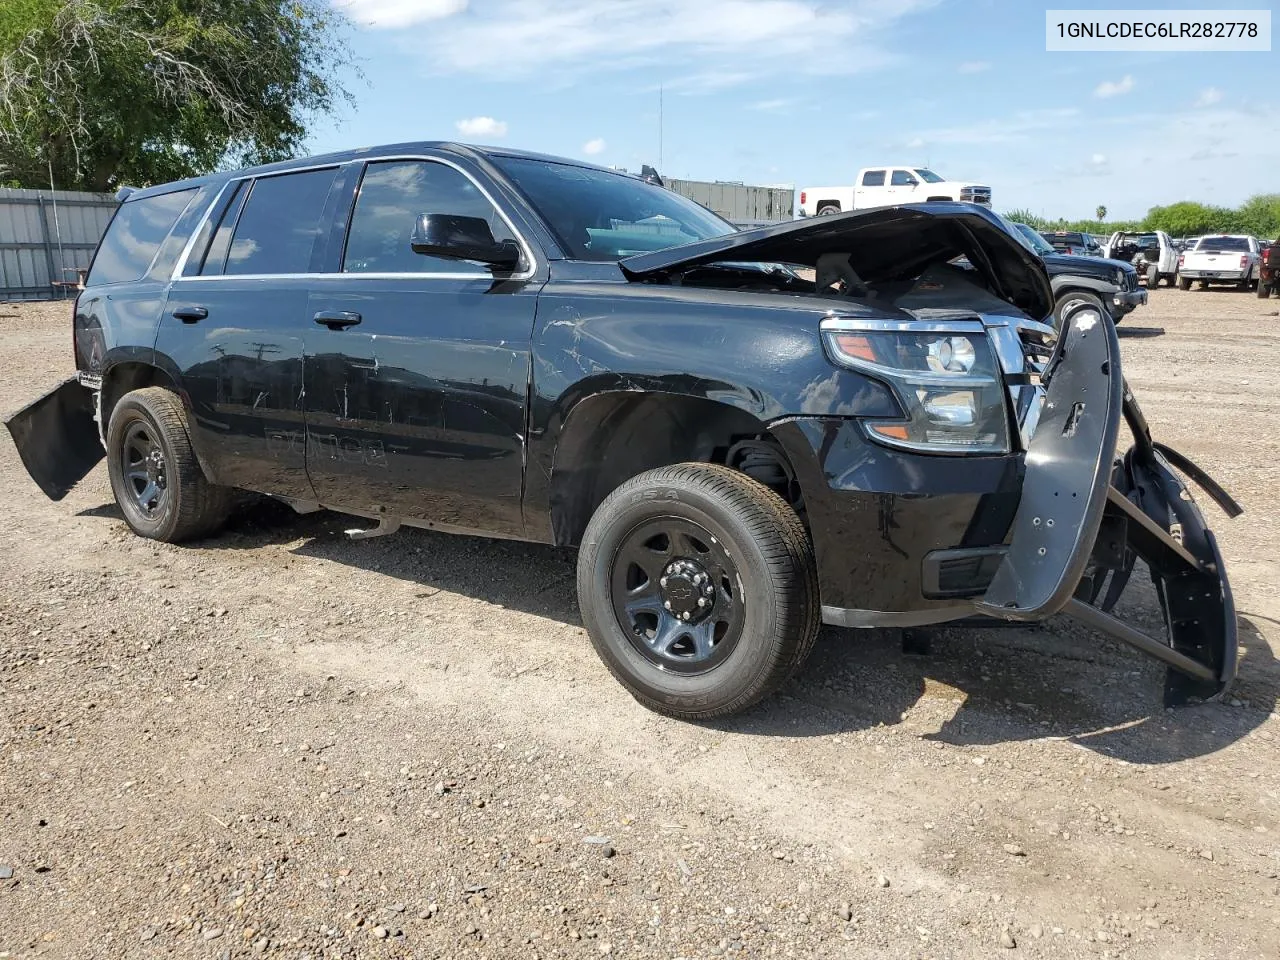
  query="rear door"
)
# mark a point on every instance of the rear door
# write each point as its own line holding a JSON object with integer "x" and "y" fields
{"x": 416, "y": 393}
{"x": 234, "y": 324}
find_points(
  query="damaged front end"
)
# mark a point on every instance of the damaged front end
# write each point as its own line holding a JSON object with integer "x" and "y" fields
{"x": 1086, "y": 517}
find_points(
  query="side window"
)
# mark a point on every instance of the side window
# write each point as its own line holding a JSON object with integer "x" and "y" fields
{"x": 216, "y": 256}
{"x": 134, "y": 237}
{"x": 902, "y": 178}
{"x": 873, "y": 178}
{"x": 392, "y": 195}
{"x": 280, "y": 223}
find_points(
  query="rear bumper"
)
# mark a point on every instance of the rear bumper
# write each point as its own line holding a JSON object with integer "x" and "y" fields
{"x": 1234, "y": 275}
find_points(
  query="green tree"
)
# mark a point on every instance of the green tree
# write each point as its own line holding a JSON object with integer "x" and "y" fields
{"x": 1189, "y": 219}
{"x": 1101, "y": 212}
{"x": 1260, "y": 215}
{"x": 108, "y": 92}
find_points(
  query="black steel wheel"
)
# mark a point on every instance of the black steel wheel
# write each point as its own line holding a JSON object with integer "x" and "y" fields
{"x": 698, "y": 588}
{"x": 156, "y": 479}
{"x": 677, "y": 594}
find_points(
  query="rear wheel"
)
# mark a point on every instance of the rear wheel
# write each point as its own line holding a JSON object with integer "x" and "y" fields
{"x": 155, "y": 476}
{"x": 828, "y": 209}
{"x": 1153, "y": 276}
{"x": 698, "y": 589}
{"x": 1184, "y": 283}
{"x": 1264, "y": 290}
{"x": 1204, "y": 284}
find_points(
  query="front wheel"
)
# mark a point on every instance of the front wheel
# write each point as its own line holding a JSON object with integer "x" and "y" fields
{"x": 155, "y": 476}
{"x": 698, "y": 589}
{"x": 1069, "y": 301}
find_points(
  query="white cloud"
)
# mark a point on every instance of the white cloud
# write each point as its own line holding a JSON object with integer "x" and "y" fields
{"x": 593, "y": 147}
{"x": 393, "y": 14}
{"x": 1098, "y": 158}
{"x": 915, "y": 142}
{"x": 1208, "y": 97}
{"x": 1022, "y": 126}
{"x": 776, "y": 105}
{"x": 974, "y": 66}
{"x": 482, "y": 127}
{"x": 559, "y": 39}
{"x": 1110, "y": 88}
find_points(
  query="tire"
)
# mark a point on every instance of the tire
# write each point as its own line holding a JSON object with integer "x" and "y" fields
{"x": 1153, "y": 277}
{"x": 1204, "y": 284}
{"x": 1170, "y": 279}
{"x": 829, "y": 209}
{"x": 1184, "y": 283}
{"x": 165, "y": 496}
{"x": 1264, "y": 290}
{"x": 764, "y": 595}
{"x": 1071, "y": 299}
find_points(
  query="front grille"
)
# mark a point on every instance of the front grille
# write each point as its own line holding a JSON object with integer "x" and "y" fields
{"x": 1131, "y": 280}
{"x": 976, "y": 195}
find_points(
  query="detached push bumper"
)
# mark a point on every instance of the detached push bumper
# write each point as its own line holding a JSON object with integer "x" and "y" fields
{"x": 1123, "y": 301}
{"x": 1084, "y": 519}
{"x": 57, "y": 438}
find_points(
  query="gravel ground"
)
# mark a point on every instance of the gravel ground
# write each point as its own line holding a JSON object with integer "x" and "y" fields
{"x": 281, "y": 743}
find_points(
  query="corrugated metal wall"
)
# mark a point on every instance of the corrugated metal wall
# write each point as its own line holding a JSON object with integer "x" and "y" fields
{"x": 739, "y": 203}
{"x": 45, "y": 235}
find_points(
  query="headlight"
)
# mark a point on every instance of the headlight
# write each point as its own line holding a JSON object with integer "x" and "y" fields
{"x": 1120, "y": 279}
{"x": 944, "y": 374}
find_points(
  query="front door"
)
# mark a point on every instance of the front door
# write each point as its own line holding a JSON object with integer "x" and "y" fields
{"x": 234, "y": 327}
{"x": 417, "y": 366}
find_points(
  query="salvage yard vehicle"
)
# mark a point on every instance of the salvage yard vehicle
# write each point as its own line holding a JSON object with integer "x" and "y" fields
{"x": 487, "y": 341}
{"x": 1072, "y": 243}
{"x": 1269, "y": 270}
{"x": 1110, "y": 285}
{"x": 1153, "y": 254}
{"x": 887, "y": 185}
{"x": 1220, "y": 259}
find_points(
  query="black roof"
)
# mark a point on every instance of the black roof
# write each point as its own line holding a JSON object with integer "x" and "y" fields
{"x": 469, "y": 151}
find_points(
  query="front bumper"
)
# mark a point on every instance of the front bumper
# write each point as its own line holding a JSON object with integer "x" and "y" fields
{"x": 1123, "y": 301}
{"x": 904, "y": 539}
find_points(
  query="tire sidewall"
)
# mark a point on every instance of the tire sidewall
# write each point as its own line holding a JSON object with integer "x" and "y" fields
{"x": 747, "y": 663}
{"x": 128, "y": 411}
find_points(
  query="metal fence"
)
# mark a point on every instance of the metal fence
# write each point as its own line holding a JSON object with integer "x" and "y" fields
{"x": 46, "y": 236}
{"x": 739, "y": 203}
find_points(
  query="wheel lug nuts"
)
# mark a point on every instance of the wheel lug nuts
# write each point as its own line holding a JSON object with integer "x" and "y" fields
{"x": 684, "y": 616}
{"x": 702, "y": 601}
{"x": 662, "y": 582}
{"x": 666, "y": 604}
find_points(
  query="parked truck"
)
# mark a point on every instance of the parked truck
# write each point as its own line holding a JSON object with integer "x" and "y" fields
{"x": 1220, "y": 259}
{"x": 886, "y": 186}
{"x": 1268, "y": 269}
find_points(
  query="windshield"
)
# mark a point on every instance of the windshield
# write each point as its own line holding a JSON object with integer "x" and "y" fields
{"x": 1224, "y": 245}
{"x": 928, "y": 176}
{"x": 1029, "y": 238}
{"x": 599, "y": 215}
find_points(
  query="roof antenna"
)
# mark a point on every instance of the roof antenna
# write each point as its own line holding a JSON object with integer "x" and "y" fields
{"x": 661, "y": 165}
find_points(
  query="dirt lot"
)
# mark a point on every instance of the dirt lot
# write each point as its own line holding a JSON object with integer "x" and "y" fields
{"x": 283, "y": 743}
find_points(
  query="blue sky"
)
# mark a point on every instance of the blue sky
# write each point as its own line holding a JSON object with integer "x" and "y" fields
{"x": 807, "y": 91}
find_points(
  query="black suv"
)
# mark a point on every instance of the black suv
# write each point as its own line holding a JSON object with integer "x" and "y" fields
{"x": 862, "y": 420}
{"x": 1110, "y": 285}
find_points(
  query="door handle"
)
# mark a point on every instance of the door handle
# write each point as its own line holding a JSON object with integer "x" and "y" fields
{"x": 190, "y": 314}
{"x": 337, "y": 319}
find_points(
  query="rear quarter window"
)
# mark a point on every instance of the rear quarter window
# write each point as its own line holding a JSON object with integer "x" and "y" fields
{"x": 281, "y": 220}
{"x": 134, "y": 237}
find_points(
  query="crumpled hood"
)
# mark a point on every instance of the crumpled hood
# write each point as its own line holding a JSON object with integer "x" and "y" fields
{"x": 884, "y": 244}
{"x": 1088, "y": 266}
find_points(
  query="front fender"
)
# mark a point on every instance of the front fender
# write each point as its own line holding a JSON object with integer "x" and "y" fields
{"x": 1104, "y": 288}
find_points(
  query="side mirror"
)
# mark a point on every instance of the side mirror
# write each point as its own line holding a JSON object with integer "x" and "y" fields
{"x": 462, "y": 238}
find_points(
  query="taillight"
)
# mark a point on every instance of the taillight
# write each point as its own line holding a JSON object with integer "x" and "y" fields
{"x": 1244, "y": 260}
{"x": 803, "y": 197}
{"x": 1181, "y": 259}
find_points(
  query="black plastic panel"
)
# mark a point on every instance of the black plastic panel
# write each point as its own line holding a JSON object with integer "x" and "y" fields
{"x": 57, "y": 438}
{"x": 1068, "y": 469}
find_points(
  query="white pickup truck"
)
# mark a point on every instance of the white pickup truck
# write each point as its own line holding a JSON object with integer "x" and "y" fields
{"x": 886, "y": 186}
{"x": 1220, "y": 259}
{"x": 1153, "y": 254}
